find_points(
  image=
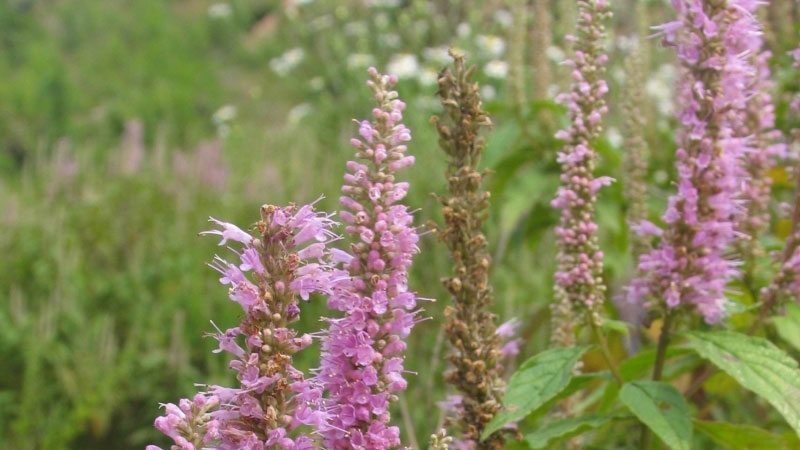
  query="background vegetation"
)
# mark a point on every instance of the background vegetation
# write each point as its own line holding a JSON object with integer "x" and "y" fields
{"x": 124, "y": 124}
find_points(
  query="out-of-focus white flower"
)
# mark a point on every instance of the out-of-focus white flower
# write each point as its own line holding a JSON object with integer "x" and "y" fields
{"x": 420, "y": 27}
{"x": 360, "y": 60}
{"x": 383, "y": 3}
{"x": 389, "y": 40}
{"x": 488, "y": 92}
{"x": 428, "y": 77}
{"x": 553, "y": 90}
{"x": 316, "y": 84}
{"x": 297, "y": 113}
{"x": 404, "y": 65}
{"x": 496, "y": 69}
{"x": 355, "y": 28}
{"x": 224, "y": 115}
{"x": 437, "y": 55}
{"x": 219, "y": 11}
{"x": 284, "y": 64}
{"x": 320, "y": 23}
{"x": 504, "y": 18}
{"x": 381, "y": 20}
{"x": 463, "y": 30}
{"x": 659, "y": 88}
{"x": 614, "y": 137}
{"x": 660, "y": 176}
{"x": 626, "y": 43}
{"x": 490, "y": 45}
{"x": 618, "y": 75}
{"x": 554, "y": 54}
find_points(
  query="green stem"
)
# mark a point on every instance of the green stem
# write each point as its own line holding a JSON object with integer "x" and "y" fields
{"x": 658, "y": 369}
{"x": 612, "y": 365}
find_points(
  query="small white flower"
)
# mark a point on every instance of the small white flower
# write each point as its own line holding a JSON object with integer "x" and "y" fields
{"x": 490, "y": 45}
{"x": 224, "y": 115}
{"x": 437, "y": 55}
{"x": 428, "y": 77}
{"x": 284, "y": 64}
{"x": 381, "y": 20}
{"x": 355, "y": 28}
{"x": 496, "y": 69}
{"x": 504, "y": 18}
{"x": 614, "y": 137}
{"x": 383, "y": 3}
{"x": 554, "y": 54}
{"x": 297, "y": 113}
{"x": 404, "y": 65}
{"x": 316, "y": 83}
{"x": 463, "y": 30}
{"x": 320, "y": 23}
{"x": 389, "y": 39}
{"x": 360, "y": 60}
{"x": 219, "y": 11}
{"x": 488, "y": 92}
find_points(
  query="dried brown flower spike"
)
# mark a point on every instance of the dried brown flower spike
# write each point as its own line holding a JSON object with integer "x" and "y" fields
{"x": 475, "y": 347}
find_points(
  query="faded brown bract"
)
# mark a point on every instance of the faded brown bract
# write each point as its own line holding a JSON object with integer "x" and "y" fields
{"x": 475, "y": 355}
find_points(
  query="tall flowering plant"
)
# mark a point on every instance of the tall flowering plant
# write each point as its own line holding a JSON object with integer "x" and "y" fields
{"x": 476, "y": 354}
{"x": 690, "y": 265}
{"x": 362, "y": 352}
{"x": 579, "y": 286}
{"x": 273, "y": 406}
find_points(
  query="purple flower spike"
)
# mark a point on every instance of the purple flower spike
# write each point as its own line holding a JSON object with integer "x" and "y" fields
{"x": 579, "y": 286}
{"x": 689, "y": 265}
{"x": 272, "y": 397}
{"x": 362, "y": 353}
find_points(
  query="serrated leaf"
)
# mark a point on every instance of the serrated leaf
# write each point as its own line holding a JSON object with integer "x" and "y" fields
{"x": 662, "y": 408}
{"x": 756, "y": 364}
{"x": 564, "y": 429}
{"x": 740, "y": 437}
{"x": 788, "y": 326}
{"x": 538, "y": 380}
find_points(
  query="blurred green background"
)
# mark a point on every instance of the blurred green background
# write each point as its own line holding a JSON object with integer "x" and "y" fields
{"x": 124, "y": 124}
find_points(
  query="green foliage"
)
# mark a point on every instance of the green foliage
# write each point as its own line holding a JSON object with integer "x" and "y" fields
{"x": 788, "y": 326}
{"x": 740, "y": 437}
{"x": 559, "y": 430}
{"x": 756, "y": 364}
{"x": 662, "y": 408}
{"x": 538, "y": 380}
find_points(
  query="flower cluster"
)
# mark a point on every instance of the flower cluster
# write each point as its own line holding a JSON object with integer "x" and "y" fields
{"x": 288, "y": 260}
{"x": 362, "y": 352}
{"x": 579, "y": 286}
{"x": 689, "y": 265}
{"x": 759, "y": 125}
{"x": 476, "y": 352}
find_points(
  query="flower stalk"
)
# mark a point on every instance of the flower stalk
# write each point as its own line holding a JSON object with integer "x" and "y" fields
{"x": 475, "y": 356}
{"x": 362, "y": 352}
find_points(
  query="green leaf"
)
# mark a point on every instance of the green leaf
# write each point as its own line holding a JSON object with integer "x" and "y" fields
{"x": 788, "y": 326}
{"x": 756, "y": 364}
{"x": 538, "y": 380}
{"x": 662, "y": 408}
{"x": 565, "y": 428}
{"x": 740, "y": 437}
{"x": 641, "y": 363}
{"x": 500, "y": 144}
{"x": 618, "y": 326}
